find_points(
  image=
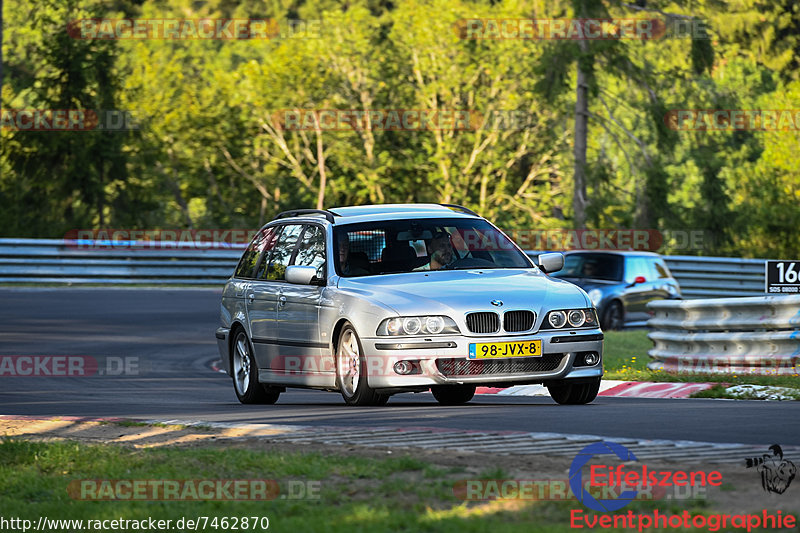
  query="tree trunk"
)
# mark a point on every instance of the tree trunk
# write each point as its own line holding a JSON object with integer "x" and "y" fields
{"x": 579, "y": 200}
{"x": 323, "y": 176}
{"x": 1, "y": 53}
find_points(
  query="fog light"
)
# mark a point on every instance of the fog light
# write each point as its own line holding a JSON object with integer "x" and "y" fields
{"x": 404, "y": 367}
{"x": 591, "y": 358}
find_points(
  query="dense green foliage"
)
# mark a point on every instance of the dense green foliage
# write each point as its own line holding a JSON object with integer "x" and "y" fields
{"x": 209, "y": 152}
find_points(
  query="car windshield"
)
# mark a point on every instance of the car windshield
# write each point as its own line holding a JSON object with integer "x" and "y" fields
{"x": 396, "y": 246}
{"x": 595, "y": 266}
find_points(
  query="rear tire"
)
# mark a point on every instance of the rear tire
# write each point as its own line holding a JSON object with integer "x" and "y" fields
{"x": 351, "y": 371}
{"x": 567, "y": 393}
{"x": 245, "y": 373}
{"x": 453, "y": 394}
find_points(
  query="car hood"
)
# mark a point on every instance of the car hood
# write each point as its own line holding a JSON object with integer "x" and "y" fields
{"x": 461, "y": 291}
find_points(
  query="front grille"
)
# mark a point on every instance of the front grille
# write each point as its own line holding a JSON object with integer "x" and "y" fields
{"x": 479, "y": 367}
{"x": 485, "y": 322}
{"x": 518, "y": 320}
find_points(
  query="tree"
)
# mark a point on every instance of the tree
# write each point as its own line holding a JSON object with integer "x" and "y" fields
{"x": 58, "y": 179}
{"x": 594, "y": 58}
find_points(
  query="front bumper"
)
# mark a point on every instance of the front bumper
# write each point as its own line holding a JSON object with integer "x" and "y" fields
{"x": 443, "y": 360}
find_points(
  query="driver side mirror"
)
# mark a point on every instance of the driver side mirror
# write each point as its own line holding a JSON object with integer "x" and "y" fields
{"x": 637, "y": 280}
{"x": 552, "y": 262}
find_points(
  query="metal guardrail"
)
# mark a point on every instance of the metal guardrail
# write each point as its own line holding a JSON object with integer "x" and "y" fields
{"x": 83, "y": 262}
{"x": 717, "y": 277}
{"x": 759, "y": 335}
{"x": 78, "y": 262}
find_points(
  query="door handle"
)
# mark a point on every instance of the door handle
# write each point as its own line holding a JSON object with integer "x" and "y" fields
{"x": 282, "y": 301}
{"x": 251, "y": 297}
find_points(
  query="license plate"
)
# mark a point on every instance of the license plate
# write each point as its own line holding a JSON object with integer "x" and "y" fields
{"x": 496, "y": 350}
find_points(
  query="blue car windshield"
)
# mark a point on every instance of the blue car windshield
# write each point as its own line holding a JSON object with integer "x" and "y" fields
{"x": 396, "y": 246}
{"x": 607, "y": 267}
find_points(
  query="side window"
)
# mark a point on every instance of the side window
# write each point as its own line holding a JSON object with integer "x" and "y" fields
{"x": 247, "y": 264}
{"x": 270, "y": 239}
{"x": 661, "y": 270}
{"x": 282, "y": 252}
{"x": 636, "y": 266}
{"x": 311, "y": 251}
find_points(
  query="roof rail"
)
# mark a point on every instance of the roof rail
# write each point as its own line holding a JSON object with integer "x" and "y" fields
{"x": 299, "y": 212}
{"x": 462, "y": 208}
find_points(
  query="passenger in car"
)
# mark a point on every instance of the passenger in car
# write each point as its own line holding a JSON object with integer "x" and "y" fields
{"x": 356, "y": 264}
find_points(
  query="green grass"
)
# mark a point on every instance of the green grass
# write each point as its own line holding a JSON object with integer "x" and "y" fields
{"x": 357, "y": 494}
{"x": 625, "y": 354}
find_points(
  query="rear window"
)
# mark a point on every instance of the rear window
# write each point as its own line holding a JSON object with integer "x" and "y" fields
{"x": 247, "y": 264}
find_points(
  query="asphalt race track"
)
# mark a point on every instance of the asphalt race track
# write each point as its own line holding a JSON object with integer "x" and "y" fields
{"x": 167, "y": 339}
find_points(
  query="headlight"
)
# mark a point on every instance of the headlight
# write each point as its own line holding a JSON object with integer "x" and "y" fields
{"x": 412, "y": 325}
{"x": 434, "y": 324}
{"x": 418, "y": 325}
{"x": 575, "y": 318}
{"x": 557, "y": 319}
{"x": 595, "y": 295}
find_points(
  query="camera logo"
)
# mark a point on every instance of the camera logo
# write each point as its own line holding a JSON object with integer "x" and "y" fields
{"x": 777, "y": 473}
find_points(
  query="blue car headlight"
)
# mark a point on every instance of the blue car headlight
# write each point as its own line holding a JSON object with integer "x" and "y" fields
{"x": 595, "y": 295}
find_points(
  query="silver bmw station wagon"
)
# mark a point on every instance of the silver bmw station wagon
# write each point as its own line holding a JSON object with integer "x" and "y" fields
{"x": 377, "y": 300}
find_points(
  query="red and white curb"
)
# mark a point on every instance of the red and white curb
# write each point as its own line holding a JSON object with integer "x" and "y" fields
{"x": 634, "y": 389}
{"x": 629, "y": 389}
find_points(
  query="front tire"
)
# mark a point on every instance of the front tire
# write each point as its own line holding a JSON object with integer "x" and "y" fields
{"x": 245, "y": 374}
{"x": 453, "y": 394}
{"x": 567, "y": 393}
{"x": 351, "y": 371}
{"x": 613, "y": 317}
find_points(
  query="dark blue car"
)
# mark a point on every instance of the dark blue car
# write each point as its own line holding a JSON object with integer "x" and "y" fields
{"x": 620, "y": 284}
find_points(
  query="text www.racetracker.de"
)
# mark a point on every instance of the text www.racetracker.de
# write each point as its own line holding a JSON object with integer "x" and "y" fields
{"x": 198, "y": 523}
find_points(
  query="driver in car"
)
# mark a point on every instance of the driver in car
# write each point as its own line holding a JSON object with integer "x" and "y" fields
{"x": 440, "y": 252}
